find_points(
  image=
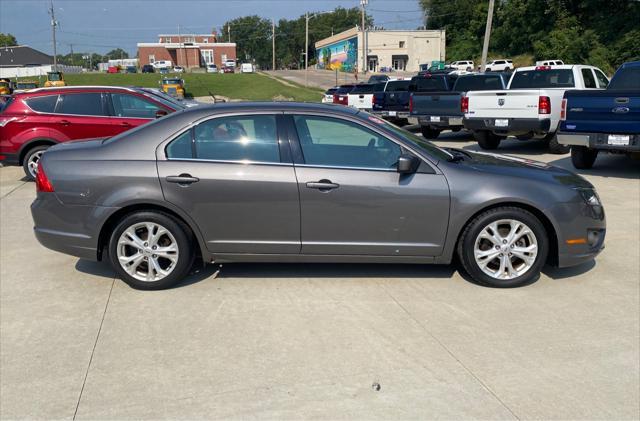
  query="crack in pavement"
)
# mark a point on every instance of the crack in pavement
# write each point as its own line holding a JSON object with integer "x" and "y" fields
{"x": 467, "y": 369}
{"x": 95, "y": 343}
{"x": 14, "y": 189}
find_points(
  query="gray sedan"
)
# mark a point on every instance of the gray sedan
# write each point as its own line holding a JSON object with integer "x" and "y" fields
{"x": 288, "y": 182}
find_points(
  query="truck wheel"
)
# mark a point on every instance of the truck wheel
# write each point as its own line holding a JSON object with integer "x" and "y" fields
{"x": 583, "y": 157}
{"x": 429, "y": 133}
{"x": 486, "y": 139}
{"x": 555, "y": 147}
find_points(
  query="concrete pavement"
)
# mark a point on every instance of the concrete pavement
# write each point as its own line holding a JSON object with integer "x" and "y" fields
{"x": 310, "y": 341}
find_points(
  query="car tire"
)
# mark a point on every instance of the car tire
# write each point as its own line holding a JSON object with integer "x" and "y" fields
{"x": 429, "y": 133}
{"x": 487, "y": 140}
{"x": 30, "y": 161}
{"x": 483, "y": 255}
{"x": 582, "y": 157}
{"x": 555, "y": 147}
{"x": 488, "y": 69}
{"x": 177, "y": 257}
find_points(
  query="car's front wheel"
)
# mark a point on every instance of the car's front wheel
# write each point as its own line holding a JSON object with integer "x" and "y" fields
{"x": 31, "y": 159}
{"x": 504, "y": 247}
{"x": 151, "y": 250}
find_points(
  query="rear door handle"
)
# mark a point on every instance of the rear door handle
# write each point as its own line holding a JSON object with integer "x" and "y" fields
{"x": 182, "y": 179}
{"x": 65, "y": 122}
{"x": 125, "y": 124}
{"x": 322, "y": 185}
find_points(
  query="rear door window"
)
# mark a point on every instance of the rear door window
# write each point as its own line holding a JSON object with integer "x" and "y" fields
{"x": 589, "y": 80}
{"x": 89, "y": 104}
{"x": 43, "y": 104}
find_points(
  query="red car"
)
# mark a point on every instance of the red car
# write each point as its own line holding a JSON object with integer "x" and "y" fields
{"x": 32, "y": 121}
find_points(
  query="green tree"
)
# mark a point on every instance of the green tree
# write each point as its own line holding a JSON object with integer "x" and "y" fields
{"x": 116, "y": 54}
{"x": 7, "y": 40}
{"x": 252, "y": 35}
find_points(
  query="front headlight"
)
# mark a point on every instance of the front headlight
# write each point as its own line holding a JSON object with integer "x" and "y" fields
{"x": 590, "y": 196}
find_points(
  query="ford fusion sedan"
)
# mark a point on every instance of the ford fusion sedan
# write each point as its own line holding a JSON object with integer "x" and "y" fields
{"x": 288, "y": 182}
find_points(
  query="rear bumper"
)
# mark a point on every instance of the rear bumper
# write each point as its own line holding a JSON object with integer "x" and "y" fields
{"x": 390, "y": 114}
{"x": 598, "y": 141}
{"x": 515, "y": 126}
{"x": 440, "y": 122}
{"x": 9, "y": 159}
{"x": 69, "y": 229}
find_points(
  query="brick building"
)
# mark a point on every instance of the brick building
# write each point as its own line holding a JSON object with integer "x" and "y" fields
{"x": 187, "y": 50}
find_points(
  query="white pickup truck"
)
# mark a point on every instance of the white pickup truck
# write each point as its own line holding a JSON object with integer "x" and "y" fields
{"x": 529, "y": 107}
{"x": 361, "y": 97}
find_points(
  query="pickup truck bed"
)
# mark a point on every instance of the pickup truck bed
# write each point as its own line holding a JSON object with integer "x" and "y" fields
{"x": 607, "y": 120}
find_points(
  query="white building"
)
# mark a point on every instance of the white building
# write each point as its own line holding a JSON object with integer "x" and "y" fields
{"x": 396, "y": 49}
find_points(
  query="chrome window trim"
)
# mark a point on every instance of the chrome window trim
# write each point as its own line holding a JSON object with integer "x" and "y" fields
{"x": 224, "y": 161}
{"x": 336, "y": 167}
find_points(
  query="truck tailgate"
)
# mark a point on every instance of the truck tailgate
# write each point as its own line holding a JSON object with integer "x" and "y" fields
{"x": 603, "y": 112}
{"x": 504, "y": 104}
{"x": 437, "y": 104}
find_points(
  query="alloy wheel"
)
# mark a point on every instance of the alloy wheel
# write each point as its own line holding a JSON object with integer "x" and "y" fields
{"x": 32, "y": 164}
{"x": 147, "y": 251}
{"x": 505, "y": 249}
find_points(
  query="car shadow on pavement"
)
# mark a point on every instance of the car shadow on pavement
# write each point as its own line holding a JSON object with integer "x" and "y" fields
{"x": 607, "y": 165}
{"x": 515, "y": 146}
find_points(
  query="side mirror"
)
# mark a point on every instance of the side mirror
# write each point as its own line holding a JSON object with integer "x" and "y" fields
{"x": 161, "y": 113}
{"x": 408, "y": 164}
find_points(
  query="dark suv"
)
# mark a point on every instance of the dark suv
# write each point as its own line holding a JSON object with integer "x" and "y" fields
{"x": 32, "y": 121}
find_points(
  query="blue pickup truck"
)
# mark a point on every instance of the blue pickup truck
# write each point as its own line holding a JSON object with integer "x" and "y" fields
{"x": 392, "y": 101}
{"x": 607, "y": 120}
{"x": 442, "y": 109}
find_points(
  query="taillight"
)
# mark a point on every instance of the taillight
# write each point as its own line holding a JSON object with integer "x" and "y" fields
{"x": 42, "y": 182}
{"x": 464, "y": 104}
{"x": 335, "y": 99}
{"x": 563, "y": 110}
{"x": 411, "y": 103}
{"x": 373, "y": 100}
{"x": 544, "y": 105}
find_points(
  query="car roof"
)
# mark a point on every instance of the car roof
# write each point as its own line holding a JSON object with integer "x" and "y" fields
{"x": 63, "y": 89}
{"x": 557, "y": 66}
{"x": 275, "y": 106}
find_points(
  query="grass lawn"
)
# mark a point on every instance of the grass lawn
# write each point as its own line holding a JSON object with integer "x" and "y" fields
{"x": 253, "y": 86}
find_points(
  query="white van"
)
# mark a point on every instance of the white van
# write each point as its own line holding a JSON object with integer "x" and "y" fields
{"x": 162, "y": 64}
{"x": 246, "y": 68}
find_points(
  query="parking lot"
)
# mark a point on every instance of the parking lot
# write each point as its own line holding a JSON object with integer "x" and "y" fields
{"x": 324, "y": 341}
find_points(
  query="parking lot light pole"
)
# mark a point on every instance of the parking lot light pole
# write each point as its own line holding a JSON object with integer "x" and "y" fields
{"x": 487, "y": 35}
{"x": 308, "y": 17}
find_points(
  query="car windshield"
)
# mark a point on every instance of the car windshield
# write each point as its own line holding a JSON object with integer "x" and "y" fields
{"x": 330, "y": 91}
{"x": 172, "y": 81}
{"x": 419, "y": 142}
{"x": 548, "y": 78}
{"x": 54, "y": 77}
{"x": 165, "y": 99}
{"x": 628, "y": 78}
{"x": 398, "y": 85}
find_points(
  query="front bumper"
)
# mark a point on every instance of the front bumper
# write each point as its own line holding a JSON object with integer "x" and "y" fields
{"x": 599, "y": 141}
{"x": 440, "y": 122}
{"x": 515, "y": 126}
{"x": 578, "y": 221}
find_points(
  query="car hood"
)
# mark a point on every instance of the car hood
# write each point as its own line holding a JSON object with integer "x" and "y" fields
{"x": 511, "y": 166}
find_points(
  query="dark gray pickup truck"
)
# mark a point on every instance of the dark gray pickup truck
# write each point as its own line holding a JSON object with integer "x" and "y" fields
{"x": 441, "y": 110}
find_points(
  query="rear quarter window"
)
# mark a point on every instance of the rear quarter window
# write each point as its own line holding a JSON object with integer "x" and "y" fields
{"x": 43, "y": 104}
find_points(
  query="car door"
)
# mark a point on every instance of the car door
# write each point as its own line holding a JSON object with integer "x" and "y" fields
{"x": 81, "y": 115}
{"x": 129, "y": 110}
{"x": 235, "y": 178}
{"x": 352, "y": 199}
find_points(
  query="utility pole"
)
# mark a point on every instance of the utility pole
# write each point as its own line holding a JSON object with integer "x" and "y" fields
{"x": 487, "y": 35}
{"x": 229, "y": 32}
{"x": 71, "y": 48}
{"x": 273, "y": 44}
{"x": 306, "y": 49}
{"x": 363, "y": 3}
{"x": 53, "y": 33}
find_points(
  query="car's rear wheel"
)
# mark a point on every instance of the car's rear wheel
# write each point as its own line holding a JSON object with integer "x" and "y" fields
{"x": 151, "y": 250}
{"x": 31, "y": 159}
{"x": 582, "y": 157}
{"x": 486, "y": 139}
{"x": 429, "y": 132}
{"x": 504, "y": 247}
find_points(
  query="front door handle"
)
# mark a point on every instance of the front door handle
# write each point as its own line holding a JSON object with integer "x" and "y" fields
{"x": 322, "y": 185}
{"x": 65, "y": 122}
{"x": 125, "y": 124}
{"x": 182, "y": 179}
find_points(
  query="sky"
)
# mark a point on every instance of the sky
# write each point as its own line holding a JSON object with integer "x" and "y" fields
{"x": 101, "y": 25}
